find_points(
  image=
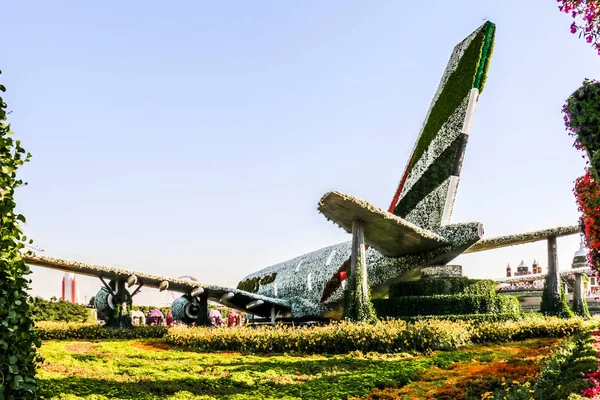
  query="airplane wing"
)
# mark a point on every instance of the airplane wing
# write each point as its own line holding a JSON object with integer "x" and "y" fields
{"x": 233, "y": 298}
{"x": 522, "y": 238}
{"x": 384, "y": 231}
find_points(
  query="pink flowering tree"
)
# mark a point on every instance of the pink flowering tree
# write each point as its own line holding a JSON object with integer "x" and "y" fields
{"x": 587, "y": 19}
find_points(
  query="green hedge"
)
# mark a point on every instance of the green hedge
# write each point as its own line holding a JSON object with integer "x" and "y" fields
{"x": 339, "y": 337}
{"x": 527, "y": 328}
{"x": 59, "y": 310}
{"x": 384, "y": 337}
{"x": 336, "y": 338}
{"x": 474, "y": 318}
{"x": 445, "y": 305}
{"x": 63, "y": 330}
{"x": 435, "y": 286}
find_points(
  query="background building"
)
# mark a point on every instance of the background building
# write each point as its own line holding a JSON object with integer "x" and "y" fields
{"x": 70, "y": 292}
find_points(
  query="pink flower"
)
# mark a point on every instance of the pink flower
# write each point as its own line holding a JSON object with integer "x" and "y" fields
{"x": 588, "y": 38}
{"x": 573, "y": 28}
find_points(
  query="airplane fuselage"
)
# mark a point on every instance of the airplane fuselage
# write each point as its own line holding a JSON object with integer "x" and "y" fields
{"x": 314, "y": 282}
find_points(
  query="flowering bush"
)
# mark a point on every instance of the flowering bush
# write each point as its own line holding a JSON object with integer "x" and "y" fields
{"x": 588, "y": 12}
{"x": 587, "y": 193}
{"x": 582, "y": 120}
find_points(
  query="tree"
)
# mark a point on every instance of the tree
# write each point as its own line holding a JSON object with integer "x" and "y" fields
{"x": 92, "y": 301}
{"x": 44, "y": 310}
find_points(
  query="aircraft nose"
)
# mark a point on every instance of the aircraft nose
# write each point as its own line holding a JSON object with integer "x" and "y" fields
{"x": 480, "y": 230}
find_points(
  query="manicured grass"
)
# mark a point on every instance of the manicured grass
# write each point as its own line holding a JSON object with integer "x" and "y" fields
{"x": 151, "y": 369}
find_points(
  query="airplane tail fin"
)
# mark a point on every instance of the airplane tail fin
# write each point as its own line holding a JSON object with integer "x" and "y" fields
{"x": 425, "y": 195}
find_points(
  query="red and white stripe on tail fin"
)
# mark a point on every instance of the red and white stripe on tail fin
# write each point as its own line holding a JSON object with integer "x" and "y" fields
{"x": 426, "y": 193}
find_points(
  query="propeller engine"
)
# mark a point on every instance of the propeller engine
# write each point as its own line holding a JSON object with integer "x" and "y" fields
{"x": 185, "y": 310}
{"x": 107, "y": 301}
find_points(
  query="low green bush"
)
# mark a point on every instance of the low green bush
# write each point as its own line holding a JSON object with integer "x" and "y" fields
{"x": 526, "y": 329}
{"x": 409, "y": 306}
{"x": 389, "y": 336}
{"x": 59, "y": 310}
{"x": 92, "y": 331}
{"x": 435, "y": 286}
{"x": 341, "y": 337}
{"x": 474, "y": 318}
{"x": 384, "y": 337}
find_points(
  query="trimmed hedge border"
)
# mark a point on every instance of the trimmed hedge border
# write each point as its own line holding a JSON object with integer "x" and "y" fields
{"x": 92, "y": 331}
{"x": 409, "y": 306}
{"x": 385, "y": 337}
{"x": 474, "y": 318}
{"x": 390, "y": 336}
{"x": 434, "y": 286}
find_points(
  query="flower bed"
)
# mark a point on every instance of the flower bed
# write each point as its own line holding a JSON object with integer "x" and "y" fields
{"x": 560, "y": 376}
{"x": 594, "y": 377}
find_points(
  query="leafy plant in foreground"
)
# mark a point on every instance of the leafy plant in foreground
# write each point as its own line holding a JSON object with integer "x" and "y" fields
{"x": 18, "y": 339}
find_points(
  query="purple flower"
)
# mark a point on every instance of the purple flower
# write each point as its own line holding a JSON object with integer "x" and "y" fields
{"x": 573, "y": 28}
{"x": 588, "y": 38}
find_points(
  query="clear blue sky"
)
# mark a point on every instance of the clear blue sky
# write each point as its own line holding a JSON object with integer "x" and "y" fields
{"x": 195, "y": 138}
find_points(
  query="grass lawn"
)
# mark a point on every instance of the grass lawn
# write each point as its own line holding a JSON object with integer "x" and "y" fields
{"x": 150, "y": 369}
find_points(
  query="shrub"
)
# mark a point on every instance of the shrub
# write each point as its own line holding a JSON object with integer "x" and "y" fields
{"x": 92, "y": 331}
{"x": 340, "y": 337}
{"x": 446, "y": 305}
{"x": 526, "y": 329}
{"x": 474, "y": 318}
{"x": 430, "y": 287}
{"x": 44, "y": 310}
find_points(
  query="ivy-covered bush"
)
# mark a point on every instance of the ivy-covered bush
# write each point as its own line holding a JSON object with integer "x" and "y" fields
{"x": 358, "y": 305}
{"x": 18, "y": 339}
{"x": 558, "y": 307}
